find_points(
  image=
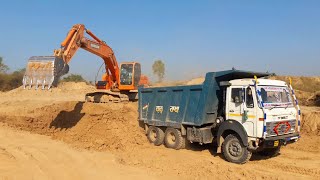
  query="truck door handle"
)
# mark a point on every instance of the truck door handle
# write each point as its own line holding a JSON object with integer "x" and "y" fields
{"x": 231, "y": 111}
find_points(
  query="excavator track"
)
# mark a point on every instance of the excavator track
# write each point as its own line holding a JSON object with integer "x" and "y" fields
{"x": 106, "y": 97}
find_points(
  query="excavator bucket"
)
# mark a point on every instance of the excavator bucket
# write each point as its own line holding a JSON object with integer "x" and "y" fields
{"x": 44, "y": 72}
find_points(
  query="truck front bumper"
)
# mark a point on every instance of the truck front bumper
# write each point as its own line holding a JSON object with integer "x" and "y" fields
{"x": 272, "y": 142}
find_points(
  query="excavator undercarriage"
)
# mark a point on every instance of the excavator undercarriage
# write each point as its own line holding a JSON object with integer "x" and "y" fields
{"x": 107, "y": 96}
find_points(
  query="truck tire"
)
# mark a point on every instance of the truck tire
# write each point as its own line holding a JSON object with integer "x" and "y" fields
{"x": 234, "y": 151}
{"x": 155, "y": 135}
{"x": 174, "y": 139}
{"x": 271, "y": 152}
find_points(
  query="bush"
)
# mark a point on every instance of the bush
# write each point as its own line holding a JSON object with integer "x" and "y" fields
{"x": 73, "y": 78}
{"x": 9, "y": 81}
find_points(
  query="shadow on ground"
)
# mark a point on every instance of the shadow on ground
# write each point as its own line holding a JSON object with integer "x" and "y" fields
{"x": 68, "y": 119}
{"x": 212, "y": 148}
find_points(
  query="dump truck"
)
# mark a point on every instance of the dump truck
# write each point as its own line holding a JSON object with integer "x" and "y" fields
{"x": 241, "y": 112}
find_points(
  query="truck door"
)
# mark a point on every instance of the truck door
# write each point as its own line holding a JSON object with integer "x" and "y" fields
{"x": 240, "y": 107}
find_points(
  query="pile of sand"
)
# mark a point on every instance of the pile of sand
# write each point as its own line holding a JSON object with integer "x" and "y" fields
{"x": 314, "y": 99}
{"x": 62, "y": 114}
{"x": 310, "y": 123}
{"x": 86, "y": 125}
{"x": 64, "y": 87}
{"x": 195, "y": 81}
{"x": 65, "y": 91}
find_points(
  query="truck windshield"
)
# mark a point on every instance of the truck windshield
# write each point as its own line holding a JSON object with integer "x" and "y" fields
{"x": 275, "y": 96}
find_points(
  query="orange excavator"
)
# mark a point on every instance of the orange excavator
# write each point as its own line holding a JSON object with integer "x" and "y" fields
{"x": 119, "y": 83}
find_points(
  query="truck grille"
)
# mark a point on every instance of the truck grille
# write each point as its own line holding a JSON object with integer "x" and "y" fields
{"x": 280, "y": 128}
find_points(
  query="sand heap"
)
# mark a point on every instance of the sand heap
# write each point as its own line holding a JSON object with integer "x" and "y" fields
{"x": 65, "y": 91}
{"x": 86, "y": 125}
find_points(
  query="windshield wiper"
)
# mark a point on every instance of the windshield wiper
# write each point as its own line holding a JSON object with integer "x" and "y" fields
{"x": 287, "y": 105}
{"x": 273, "y": 106}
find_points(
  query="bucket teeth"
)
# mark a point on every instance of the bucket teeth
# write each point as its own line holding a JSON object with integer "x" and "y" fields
{"x": 44, "y": 72}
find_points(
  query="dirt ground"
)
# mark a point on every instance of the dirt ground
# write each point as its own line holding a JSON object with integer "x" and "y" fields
{"x": 54, "y": 134}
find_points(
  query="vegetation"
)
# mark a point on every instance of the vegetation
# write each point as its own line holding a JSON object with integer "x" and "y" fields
{"x": 3, "y": 68}
{"x": 158, "y": 68}
{"x": 9, "y": 81}
{"x": 74, "y": 78}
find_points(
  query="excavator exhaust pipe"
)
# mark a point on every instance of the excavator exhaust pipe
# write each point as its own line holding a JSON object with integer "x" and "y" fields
{"x": 44, "y": 72}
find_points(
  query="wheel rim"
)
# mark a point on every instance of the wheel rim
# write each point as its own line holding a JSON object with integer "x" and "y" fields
{"x": 235, "y": 149}
{"x": 171, "y": 138}
{"x": 153, "y": 135}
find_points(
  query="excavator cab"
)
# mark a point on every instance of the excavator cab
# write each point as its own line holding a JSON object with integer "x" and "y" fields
{"x": 130, "y": 74}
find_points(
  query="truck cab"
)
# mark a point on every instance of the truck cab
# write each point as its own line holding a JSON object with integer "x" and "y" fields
{"x": 265, "y": 108}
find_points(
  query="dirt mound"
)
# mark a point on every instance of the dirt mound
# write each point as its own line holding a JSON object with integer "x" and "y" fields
{"x": 86, "y": 125}
{"x": 307, "y": 84}
{"x": 314, "y": 100}
{"x": 196, "y": 81}
{"x": 74, "y": 86}
{"x": 310, "y": 123}
{"x": 65, "y": 91}
{"x": 64, "y": 87}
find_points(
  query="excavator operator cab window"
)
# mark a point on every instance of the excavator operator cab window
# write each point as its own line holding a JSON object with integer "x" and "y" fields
{"x": 126, "y": 74}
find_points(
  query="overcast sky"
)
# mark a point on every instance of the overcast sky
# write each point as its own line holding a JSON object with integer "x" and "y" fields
{"x": 191, "y": 37}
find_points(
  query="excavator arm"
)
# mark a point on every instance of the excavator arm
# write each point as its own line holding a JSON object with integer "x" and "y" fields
{"x": 76, "y": 39}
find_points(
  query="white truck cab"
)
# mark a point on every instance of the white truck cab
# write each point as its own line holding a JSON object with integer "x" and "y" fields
{"x": 267, "y": 110}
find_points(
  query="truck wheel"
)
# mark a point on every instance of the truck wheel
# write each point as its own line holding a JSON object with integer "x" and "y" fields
{"x": 270, "y": 151}
{"x": 155, "y": 135}
{"x": 234, "y": 150}
{"x": 173, "y": 139}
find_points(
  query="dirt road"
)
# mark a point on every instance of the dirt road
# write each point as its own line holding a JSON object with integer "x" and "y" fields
{"x": 31, "y": 156}
{"x": 116, "y": 142}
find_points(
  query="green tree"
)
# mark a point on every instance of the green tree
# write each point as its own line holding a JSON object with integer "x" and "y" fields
{"x": 74, "y": 78}
{"x": 3, "y": 68}
{"x": 158, "y": 68}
